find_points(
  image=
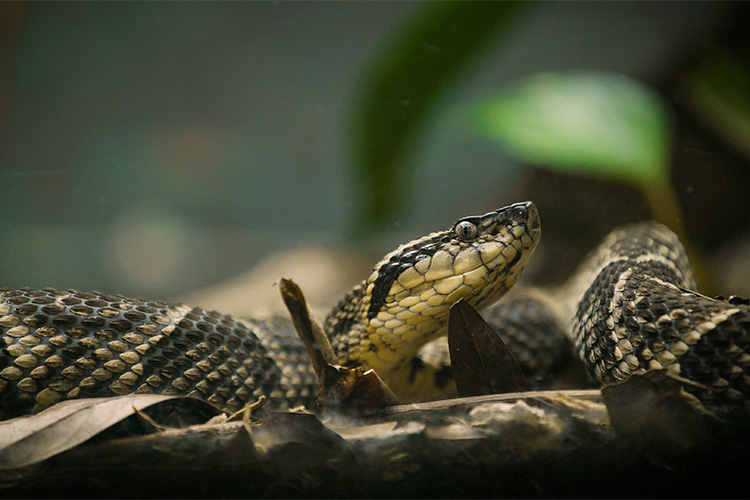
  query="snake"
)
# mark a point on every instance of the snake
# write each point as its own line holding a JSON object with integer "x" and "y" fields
{"x": 64, "y": 344}
{"x": 629, "y": 309}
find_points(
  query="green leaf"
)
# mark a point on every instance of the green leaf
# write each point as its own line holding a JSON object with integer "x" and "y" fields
{"x": 591, "y": 123}
{"x": 419, "y": 63}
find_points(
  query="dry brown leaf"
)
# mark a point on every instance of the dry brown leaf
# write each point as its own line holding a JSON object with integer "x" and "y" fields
{"x": 481, "y": 362}
{"x": 28, "y": 440}
{"x": 352, "y": 389}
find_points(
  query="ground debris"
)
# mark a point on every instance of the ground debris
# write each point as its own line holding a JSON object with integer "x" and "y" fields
{"x": 507, "y": 445}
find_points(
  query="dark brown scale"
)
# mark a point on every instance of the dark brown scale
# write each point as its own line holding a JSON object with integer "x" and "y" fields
{"x": 53, "y": 309}
{"x": 121, "y": 325}
{"x": 645, "y": 316}
{"x": 644, "y": 303}
{"x": 170, "y": 352}
{"x": 195, "y": 336}
{"x": 669, "y": 334}
{"x": 65, "y": 320}
{"x": 82, "y": 310}
{"x": 93, "y": 322}
{"x": 36, "y": 320}
{"x": 216, "y": 339}
{"x": 135, "y": 316}
{"x": 26, "y": 309}
{"x": 182, "y": 345}
{"x": 90, "y": 348}
{"x": 43, "y": 299}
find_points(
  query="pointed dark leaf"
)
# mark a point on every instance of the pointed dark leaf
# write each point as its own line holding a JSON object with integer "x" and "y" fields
{"x": 482, "y": 363}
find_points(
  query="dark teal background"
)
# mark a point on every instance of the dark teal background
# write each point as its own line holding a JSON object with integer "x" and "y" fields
{"x": 153, "y": 148}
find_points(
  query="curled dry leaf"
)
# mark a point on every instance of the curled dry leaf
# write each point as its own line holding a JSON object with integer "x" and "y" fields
{"x": 352, "y": 389}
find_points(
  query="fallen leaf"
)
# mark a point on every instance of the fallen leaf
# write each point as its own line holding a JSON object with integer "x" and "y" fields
{"x": 481, "y": 362}
{"x": 653, "y": 410}
{"x": 345, "y": 388}
{"x": 30, "y": 439}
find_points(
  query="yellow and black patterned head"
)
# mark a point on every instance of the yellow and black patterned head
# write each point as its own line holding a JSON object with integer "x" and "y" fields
{"x": 406, "y": 300}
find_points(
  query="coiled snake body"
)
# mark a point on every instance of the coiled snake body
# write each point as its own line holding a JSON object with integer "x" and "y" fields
{"x": 628, "y": 310}
{"x": 631, "y": 309}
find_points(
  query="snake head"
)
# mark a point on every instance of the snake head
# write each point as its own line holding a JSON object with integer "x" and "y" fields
{"x": 409, "y": 293}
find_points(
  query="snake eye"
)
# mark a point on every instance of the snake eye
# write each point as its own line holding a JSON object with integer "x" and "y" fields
{"x": 466, "y": 231}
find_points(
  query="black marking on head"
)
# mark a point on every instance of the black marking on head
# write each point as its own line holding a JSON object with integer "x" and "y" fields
{"x": 397, "y": 264}
{"x": 487, "y": 224}
{"x": 416, "y": 365}
{"x": 474, "y": 219}
{"x": 443, "y": 376}
{"x": 514, "y": 260}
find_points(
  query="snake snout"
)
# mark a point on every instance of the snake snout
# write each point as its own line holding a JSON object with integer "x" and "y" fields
{"x": 524, "y": 214}
{"x": 533, "y": 221}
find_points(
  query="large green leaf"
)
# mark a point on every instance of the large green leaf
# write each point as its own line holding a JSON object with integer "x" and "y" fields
{"x": 593, "y": 123}
{"x": 403, "y": 83}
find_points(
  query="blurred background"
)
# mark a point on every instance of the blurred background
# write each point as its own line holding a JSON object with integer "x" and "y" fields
{"x": 155, "y": 149}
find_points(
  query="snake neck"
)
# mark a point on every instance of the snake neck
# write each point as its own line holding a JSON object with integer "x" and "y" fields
{"x": 357, "y": 343}
{"x": 342, "y": 320}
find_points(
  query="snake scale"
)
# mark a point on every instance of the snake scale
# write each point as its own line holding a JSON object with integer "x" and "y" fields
{"x": 628, "y": 309}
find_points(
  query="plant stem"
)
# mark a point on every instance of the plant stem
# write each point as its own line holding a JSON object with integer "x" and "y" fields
{"x": 665, "y": 207}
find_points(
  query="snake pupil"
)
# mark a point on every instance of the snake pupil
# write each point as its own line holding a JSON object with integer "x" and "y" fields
{"x": 466, "y": 231}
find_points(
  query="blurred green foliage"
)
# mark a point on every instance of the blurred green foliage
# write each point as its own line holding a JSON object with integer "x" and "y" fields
{"x": 591, "y": 123}
{"x": 596, "y": 124}
{"x": 719, "y": 89}
{"x": 422, "y": 60}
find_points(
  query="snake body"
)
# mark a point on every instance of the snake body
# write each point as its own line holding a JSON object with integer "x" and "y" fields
{"x": 67, "y": 344}
{"x": 629, "y": 309}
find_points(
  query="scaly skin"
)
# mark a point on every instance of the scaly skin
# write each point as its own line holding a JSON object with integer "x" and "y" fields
{"x": 631, "y": 310}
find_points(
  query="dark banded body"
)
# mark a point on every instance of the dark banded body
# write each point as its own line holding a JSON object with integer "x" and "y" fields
{"x": 68, "y": 344}
{"x": 632, "y": 310}
{"x": 539, "y": 341}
